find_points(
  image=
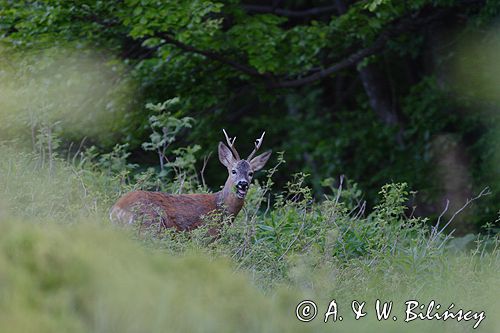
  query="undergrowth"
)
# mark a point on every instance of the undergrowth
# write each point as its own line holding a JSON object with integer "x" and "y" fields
{"x": 283, "y": 242}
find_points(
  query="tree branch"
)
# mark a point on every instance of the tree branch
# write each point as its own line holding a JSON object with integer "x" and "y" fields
{"x": 404, "y": 25}
{"x": 347, "y": 62}
{"x": 212, "y": 55}
{"x": 290, "y": 13}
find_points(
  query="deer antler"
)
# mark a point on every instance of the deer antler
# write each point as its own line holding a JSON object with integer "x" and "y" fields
{"x": 230, "y": 143}
{"x": 258, "y": 142}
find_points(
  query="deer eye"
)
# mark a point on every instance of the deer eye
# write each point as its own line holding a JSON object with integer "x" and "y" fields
{"x": 233, "y": 172}
{"x": 250, "y": 173}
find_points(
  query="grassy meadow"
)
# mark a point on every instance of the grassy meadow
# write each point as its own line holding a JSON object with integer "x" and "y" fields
{"x": 64, "y": 267}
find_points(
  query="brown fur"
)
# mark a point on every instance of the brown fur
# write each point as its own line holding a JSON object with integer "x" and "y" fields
{"x": 183, "y": 212}
{"x": 180, "y": 211}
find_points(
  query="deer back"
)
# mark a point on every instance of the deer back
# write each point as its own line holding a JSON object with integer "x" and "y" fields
{"x": 183, "y": 211}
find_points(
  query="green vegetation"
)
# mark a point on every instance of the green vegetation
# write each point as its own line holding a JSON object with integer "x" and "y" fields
{"x": 379, "y": 90}
{"x": 66, "y": 268}
{"x": 377, "y": 112}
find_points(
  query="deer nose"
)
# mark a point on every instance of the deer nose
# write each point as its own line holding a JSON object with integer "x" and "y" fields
{"x": 243, "y": 184}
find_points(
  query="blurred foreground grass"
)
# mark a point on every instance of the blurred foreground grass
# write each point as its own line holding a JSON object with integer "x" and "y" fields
{"x": 88, "y": 278}
{"x": 63, "y": 268}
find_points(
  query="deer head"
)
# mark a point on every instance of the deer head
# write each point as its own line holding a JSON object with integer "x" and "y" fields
{"x": 241, "y": 171}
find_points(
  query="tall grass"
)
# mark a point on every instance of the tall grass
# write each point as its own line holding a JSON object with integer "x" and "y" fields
{"x": 66, "y": 269}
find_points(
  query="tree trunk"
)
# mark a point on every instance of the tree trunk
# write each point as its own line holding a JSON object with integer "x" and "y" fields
{"x": 378, "y": 94}
{"x": 377, "y": 90}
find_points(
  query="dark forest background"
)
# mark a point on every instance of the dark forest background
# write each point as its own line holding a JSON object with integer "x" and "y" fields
{"x": 377, "y": 90}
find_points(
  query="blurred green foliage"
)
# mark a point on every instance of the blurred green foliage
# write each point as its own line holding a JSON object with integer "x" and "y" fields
{"x": 244, "y": 65}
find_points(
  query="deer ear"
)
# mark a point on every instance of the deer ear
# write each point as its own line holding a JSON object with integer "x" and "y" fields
{"x": 226, "y": 156}
{"x": 259, "y": 161}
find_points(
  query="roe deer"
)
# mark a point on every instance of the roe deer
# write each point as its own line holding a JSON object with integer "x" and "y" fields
{"x": 185, "y": 211}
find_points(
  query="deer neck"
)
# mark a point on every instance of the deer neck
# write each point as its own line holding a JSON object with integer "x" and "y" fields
{"x": 228, "y": 199}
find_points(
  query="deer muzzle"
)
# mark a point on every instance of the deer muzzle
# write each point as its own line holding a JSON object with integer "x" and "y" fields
{"x": 241, "y": 189}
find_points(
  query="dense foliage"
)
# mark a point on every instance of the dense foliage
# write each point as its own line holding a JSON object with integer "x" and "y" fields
{"x": 378, "y": 90}
{"x": 362, "y": 102}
